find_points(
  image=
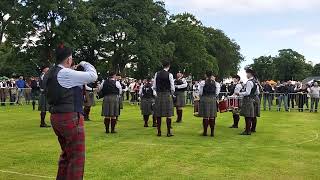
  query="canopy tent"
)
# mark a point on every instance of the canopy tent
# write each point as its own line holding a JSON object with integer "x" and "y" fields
{"x": 310, "y": 80}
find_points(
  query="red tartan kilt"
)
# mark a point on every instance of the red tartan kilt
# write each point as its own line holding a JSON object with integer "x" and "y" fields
{"x": 223, "y": 106}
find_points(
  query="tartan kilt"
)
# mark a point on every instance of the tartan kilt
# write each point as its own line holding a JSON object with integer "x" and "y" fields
{"x": 180, "y": 99}
{"x": 110, "y": 106}
{"x": 248, "y": 107}
{"x": 146, "y": 106}
{"x": 163, "y": 105}
{"x": 208, "y": 107}
{"x": 43, "y": 105}
{"x": 257, "y": 106}
{"x": 89, "y": 99}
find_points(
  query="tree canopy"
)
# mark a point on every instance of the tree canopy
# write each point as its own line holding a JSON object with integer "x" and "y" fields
{"x": 128, "y": 36}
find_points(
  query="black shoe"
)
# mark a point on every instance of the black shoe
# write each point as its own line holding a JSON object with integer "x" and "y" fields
{"x": 204, "y": 134}
{"x": 159, "y": 134}
{"x": 44, "y": 126}
{"x": 233, "y": 127}
{"x": 146, "y": 125}
{"x": 253, "y": 131}
{"x": 154, "y": 125}
{"x": 113, "y": 132}
{"x": 245, "y": 133}
{"x": 170, "y": 135}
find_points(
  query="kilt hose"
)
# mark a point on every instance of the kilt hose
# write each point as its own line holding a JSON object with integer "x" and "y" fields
{"x": 163, "y": 105}
{"x": 208, "y": 107}
{"x": 70, "y": 132}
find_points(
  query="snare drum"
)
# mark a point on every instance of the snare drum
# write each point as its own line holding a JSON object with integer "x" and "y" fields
{"x": 223, "y": 106}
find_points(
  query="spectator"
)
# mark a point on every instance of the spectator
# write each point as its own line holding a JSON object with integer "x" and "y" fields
{"x": 12, "y": 91}
{"x": 3, "y": 92}
{"x": 282, "y": 91}
{"x": 314, "y": 94}
{"x": 291, "y": 95}
{"x": 21, "y": 84}
{"x": 301, "y": 91}
{"x": 267, "y": 95}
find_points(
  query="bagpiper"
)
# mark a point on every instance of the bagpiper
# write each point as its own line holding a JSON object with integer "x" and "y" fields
{"x": 209, "y": 89}
{"x": 164, "y": 87}
{"x": 147, "y": 95}
{"x": 88, "y": 100}
{"x": 43, "y": 105}
{"x": 65, "y": 96}
{"x": 180, "y": 96}
{"x": 250, "y": 107}
{"x": 235, "y": 112}
{"x": 110, "y": 90}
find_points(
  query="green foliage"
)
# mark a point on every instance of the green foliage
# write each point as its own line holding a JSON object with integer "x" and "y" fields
{"x": 316, "y": 70}
{"x": 127, "y": 36}
{"x": 287, "y": 65}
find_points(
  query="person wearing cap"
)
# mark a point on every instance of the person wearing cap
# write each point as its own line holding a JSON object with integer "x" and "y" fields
{"x": 43, "y": 106}
{"x": 147, "y": 95}
{"x": 250, "y": 107}
{"x": 209, "y": 89}
{"x": 180, "y": 95}
{"x": 237, "y": 89}
{"x": 110, "y": 89}
{"x": 164, "y": 87}
{"x": 64, "y": 92}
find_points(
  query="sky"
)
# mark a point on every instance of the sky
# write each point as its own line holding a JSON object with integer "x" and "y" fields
{"x": 260, "y": 27}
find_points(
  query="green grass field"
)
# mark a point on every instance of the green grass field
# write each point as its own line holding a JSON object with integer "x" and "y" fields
{"x": 286, "y": 146}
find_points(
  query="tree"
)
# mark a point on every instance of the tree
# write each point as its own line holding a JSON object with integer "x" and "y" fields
{"x": 130, "y": 33}
{"x": 190, "y": 54}
{"x": 316, "y": 70}
{"x": 287, "y": 65}
{"x": 264, "y": 66}
{"x": 225, "y": 50}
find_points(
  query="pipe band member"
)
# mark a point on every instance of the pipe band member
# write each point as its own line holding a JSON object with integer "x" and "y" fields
{"x": 250, "y": 107}
{"x": 237, "y": 89}
{"x": 208, "y": 91}
{"x": 65, "y": 97}
{"x": 43, "y": 105}
{"x": 164, "y": 87}
{"x": 88, "y": 100}
{"x": 180, "y": 96}
{"x": 147, "y": 95}
{"x": 110, "y": 89}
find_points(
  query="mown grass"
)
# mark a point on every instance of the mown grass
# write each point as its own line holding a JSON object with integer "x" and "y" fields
{"x": 286, "y": 146}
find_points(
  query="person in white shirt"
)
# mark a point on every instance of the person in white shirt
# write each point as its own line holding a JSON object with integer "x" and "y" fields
{"x": 111, "y": 90}
{"x": 314, "y": 94}
{"x": 164, "y": 87}
{"x": 237, "y": 89}
{"x": 3, "y": 89}
{"x": 65, "y": 97}
{"x": 208, "y": 91}
{"x": 180, "y": 95}
{"x": 250, "y": 107}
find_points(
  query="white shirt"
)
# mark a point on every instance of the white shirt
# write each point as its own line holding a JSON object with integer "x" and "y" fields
{"x": 249, "y": 85}
{"x": 202, "y": 84}
{"x": 69, "y": 78}
{"x": 315, "y": 92}
{"x": 238, "y": 88}
{"x": 172, "y": 88}
{"x": 184, "y": 85}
